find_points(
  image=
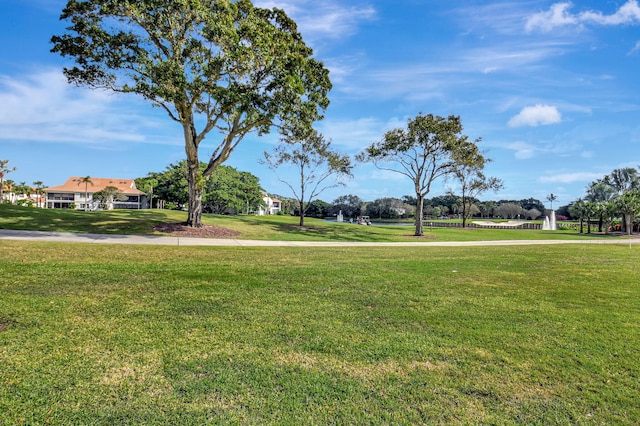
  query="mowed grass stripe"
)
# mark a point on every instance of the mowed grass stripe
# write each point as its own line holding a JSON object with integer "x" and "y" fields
{"x": 163, "y": 335}
{"x": 271, "y": 228}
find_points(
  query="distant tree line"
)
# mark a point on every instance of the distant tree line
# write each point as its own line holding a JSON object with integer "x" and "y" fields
{"x": 231, "y": 191}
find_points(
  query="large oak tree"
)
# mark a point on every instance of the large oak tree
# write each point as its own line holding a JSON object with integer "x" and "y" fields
{"x": 221, "y": 65}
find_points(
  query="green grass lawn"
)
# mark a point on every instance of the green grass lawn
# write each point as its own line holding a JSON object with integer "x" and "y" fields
{"x": 141, "y": 222}
{"x": 95, "y": 334}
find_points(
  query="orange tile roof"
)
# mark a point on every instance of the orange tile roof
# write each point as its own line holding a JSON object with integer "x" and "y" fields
{"x": 75, "y": 184}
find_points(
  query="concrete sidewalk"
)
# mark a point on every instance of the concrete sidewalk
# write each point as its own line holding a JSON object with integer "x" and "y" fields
{"x": 66, "y": 237}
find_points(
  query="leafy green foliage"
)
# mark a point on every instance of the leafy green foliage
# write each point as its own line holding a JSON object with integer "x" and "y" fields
{"x": 429, "y": 148}
{"x": 469, "y": 174}
{"x": 629, "y": 205}
{"x": 108, "y": 195}
{"x": 228, "y": 65}
{"x": 387, "y": 208}
{"x": 227, "y": 190}
{"x": 350, "y": 205}
{"x": 315, "y": 163}
{"x": 230, "y": 190}
{"x": 4, "y": 170}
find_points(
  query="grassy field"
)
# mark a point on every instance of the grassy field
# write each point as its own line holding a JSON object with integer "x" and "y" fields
{"x": 141, "y": 222}
{"x": 93, "y": 334}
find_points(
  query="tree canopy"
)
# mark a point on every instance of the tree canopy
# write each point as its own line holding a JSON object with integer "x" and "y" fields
{"x": 317, "y": 166}
{"x": 350, "y": 206}
{"x": 429, "y": 148}
{"x": 107, "y": 196}
{"x": 211, "y": 65}
{"x": 469, "y": 173}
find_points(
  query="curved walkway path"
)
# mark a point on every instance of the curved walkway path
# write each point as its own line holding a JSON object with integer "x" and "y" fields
{"x": 6, "y": 234}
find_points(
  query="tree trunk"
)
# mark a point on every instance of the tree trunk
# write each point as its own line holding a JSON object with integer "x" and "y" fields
{"x": 301, "y": 213}
{"x": 600, "y": 222}
{"x": 419, "y": 206}
{"x": 194, "y": 180}
{"x": 628, "y": 223}
{"x": 194, "y": 210}
{"x": 464, "y": 213}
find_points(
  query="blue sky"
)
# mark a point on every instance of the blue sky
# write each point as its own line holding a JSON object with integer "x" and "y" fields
{"x": 552, "y": 88}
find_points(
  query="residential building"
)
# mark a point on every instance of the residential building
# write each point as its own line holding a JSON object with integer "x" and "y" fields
{"x": 71, "y": 194}
{"x": 272, "y": 206}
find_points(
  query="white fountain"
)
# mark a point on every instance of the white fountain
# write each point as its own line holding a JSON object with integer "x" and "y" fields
{"x": 340, "y": 216}
{"x": 550, "y": 223}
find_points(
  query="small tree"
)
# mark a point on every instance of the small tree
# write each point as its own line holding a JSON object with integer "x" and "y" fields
{"x": 4, "y": 169}
{"x": 436, "y": 212}
{"x": 430, "y": 148}
{"x": 107, "y": 196}
{"x": 606, "y": 211}
{"x": 86, "y": 180}
{"x": 533, "y": 214}
{"x": 39, "y": 191}
{"x": 314, "y": 163}
{"x": 551, "y": 198}
{"x": 577, "y": 210}
{"x": 509, "y": 210}
{"x": 386, "y": 208}
{"x": 628, "y": 204}
{"x": 590, "y": 210}
{"x": 600, "y": 192}
{"x": 472, "y": 181}
{"x": 350, "y": 205}
{"x": 623, "y": 180}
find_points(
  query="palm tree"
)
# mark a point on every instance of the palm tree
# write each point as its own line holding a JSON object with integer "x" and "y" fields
{"x": 39, "y": 191}
{"x": 600, "y": 192}
{"x": 623, "y": 179}
{"x": 551, "y": 198}
{"x": 577, "y": 210}
{"x": 628, "y": 205}
{"x": 86, "y": 180}
{"x": 4, "y": 169}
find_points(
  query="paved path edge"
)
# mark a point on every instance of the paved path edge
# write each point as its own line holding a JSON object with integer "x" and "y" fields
{"x": 68, "y": 237}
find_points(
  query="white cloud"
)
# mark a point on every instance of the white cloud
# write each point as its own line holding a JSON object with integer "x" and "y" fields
{"x": 556, "y": 16}
{"x": 559, "y": 15}
{"x": 522, "y": 150}
{"x": 328, "y": 18}
{"x": 538, "y": 115}
{"x": 355, "y": 135}
{"x": 43, "y": 107}
{"x": 570, "y": 177}
{"x": 635, "y": 49}
{"x": 629, "y": 13}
